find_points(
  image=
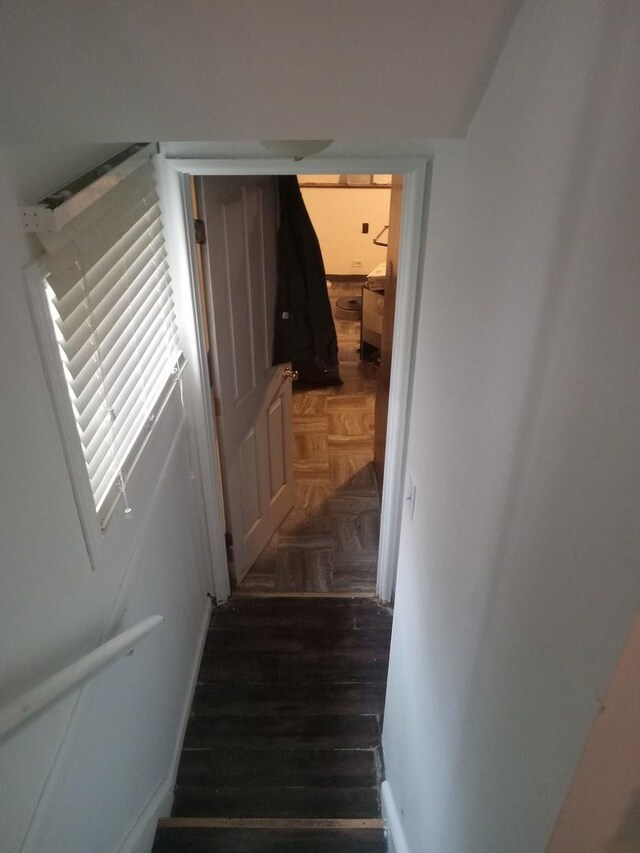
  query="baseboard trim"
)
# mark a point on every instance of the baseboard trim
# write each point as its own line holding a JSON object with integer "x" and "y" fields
{"x": 237, "y": 593}
{"x": 391, "y": 815}
{"x": 140, "y": 838}
{"x": 341, "y": 277}
{"x": 193, "y": 681}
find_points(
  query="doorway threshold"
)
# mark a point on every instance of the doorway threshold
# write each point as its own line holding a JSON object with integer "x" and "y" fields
{"x": 241, "y": 593}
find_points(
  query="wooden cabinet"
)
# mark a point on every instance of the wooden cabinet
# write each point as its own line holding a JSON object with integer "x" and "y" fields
{"x": 371, "y": 326}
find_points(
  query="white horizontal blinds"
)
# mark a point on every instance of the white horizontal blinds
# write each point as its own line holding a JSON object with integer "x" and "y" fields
{"x": 112, "y": 304}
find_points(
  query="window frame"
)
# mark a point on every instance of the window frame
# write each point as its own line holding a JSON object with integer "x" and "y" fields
{"x": 94, "y": 521}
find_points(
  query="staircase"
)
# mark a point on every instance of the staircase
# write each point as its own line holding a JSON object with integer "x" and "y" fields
{"x": 282, "y": 752}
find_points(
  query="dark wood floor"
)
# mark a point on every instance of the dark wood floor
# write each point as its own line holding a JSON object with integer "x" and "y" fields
{"x": 282, "y": 750}
{"x": 329, "y": 540}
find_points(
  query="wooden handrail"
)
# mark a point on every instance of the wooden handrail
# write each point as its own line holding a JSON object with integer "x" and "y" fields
{"x": 16, "y": 713}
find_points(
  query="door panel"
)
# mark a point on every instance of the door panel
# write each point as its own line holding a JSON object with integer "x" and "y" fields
{"x": 237, "y": 283}
{"x": 254, "y": 412}
{"x": 276, "y": 428}
{"x": 249, "y": 480}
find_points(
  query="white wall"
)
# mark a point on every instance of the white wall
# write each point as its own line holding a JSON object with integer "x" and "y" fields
{"x": 247, "y": 70}
{"x": 518, "y": 576}
{"x": 337, "y": 216}
{"x": 108, "y": 749}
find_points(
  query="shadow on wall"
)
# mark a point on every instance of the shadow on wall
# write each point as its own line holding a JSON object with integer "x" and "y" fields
{"x": 504, "y": 706}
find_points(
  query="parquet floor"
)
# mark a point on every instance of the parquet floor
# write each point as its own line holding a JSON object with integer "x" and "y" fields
{"x": 329, "y": 540}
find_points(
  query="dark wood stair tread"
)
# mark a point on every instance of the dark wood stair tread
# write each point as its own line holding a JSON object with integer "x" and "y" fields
{"x": 296, "y": 640}
{"x": 295, "y": 840}
{"x": 300, "y": 699}
{"x": 278, "y": 802}
{"x": 235, "y": 766}
{"x": 323, "y": 731}
{"x": 273, "y": 668}
{"x": 305, "y": 613}
{"x": 284, "y": 731}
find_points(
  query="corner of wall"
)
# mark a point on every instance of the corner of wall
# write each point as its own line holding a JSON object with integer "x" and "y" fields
{"x": 141, "y": 836}
{"x": 395, "y": 831}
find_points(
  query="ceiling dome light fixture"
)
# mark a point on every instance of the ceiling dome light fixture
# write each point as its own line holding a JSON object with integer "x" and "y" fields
{"x": 297, "y": 149}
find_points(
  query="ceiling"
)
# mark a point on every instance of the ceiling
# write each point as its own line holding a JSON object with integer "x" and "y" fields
{"x": 245, "y": 69}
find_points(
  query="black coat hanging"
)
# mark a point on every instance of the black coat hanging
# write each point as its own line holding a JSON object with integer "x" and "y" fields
{"x": 304, "y": 331}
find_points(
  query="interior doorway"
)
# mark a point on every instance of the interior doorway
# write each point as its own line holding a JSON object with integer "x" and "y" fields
{"x": 328, "y": 543}
{"x": 302, "y": 466}
{"x": 414, "y": 173}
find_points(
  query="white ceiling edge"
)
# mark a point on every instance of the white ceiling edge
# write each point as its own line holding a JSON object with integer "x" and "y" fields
{"x": 339, "y": 149}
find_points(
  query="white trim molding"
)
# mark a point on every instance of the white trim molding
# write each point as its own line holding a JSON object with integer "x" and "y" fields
{"x": 405, "y": 329}
{"x": 174, "y": 195}
{"x": 139, "y": 838}
{"x": 415, "y": 174}
{"x": 50, "y": 215}
{"x": 188, "y": 699}
{"x": 393, "y": 824}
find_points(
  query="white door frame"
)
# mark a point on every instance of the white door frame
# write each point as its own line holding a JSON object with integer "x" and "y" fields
{"x": 414, "y": 172}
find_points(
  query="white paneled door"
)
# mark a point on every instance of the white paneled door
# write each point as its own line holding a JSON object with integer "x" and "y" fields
{"x": 253, "y": 405}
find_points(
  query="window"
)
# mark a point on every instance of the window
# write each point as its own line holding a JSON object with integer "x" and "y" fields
{"x": 109, "y": 303}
